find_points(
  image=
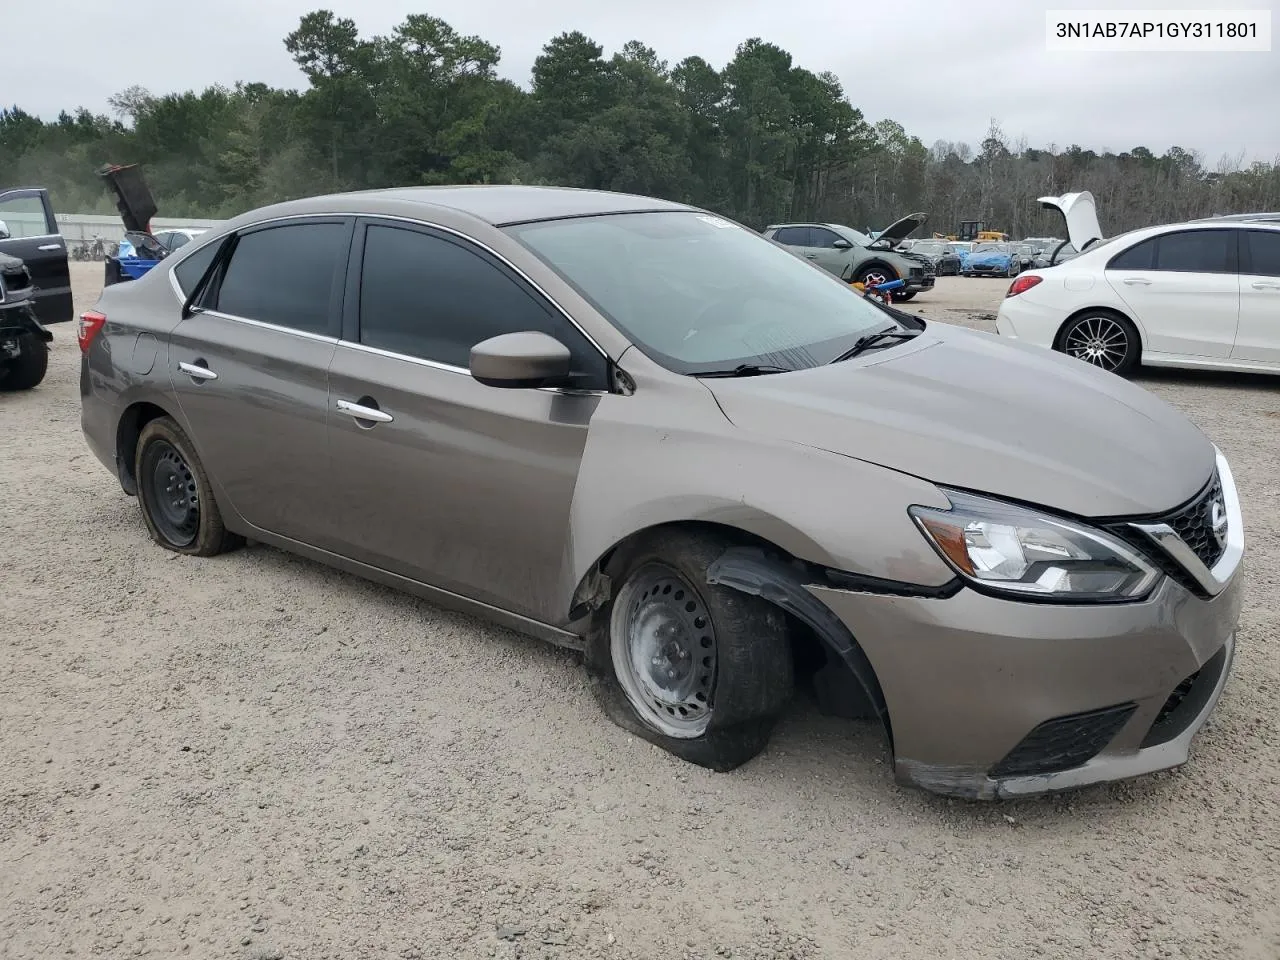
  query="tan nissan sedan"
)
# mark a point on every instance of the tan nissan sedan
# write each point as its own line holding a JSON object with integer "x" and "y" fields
{"x": 644, "y": 431}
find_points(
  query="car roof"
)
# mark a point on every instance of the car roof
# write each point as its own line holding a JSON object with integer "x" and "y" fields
{"x": 496, "y": 204}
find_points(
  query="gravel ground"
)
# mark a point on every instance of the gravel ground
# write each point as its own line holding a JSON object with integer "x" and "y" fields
{"x": 253, "y": 756}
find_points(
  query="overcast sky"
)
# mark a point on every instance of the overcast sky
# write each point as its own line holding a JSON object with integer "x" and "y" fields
{"x": 941, "y": 68}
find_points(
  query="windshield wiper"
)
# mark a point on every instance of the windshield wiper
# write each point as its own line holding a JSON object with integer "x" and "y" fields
{"x": 745, "y": 370}
{"x": 875, "y": 339}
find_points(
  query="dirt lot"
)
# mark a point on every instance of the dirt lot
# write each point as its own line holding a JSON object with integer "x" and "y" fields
{"x": 253, "y": 756}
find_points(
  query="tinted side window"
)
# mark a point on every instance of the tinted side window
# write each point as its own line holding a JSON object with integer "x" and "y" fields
{"x": 1141, "y": 256}
{"x": 25, "y": 216}
{"x": 1264, "y": 252}
{"x": 428, "y": 297}
{"x": 178, "y": 240}
{"x": 793, "y": 236}
{"x": 284, "y": 275}
{"x": 822, "y": 237}
{"x": 192, "y": 268}
{"x": 1196, "y": 251}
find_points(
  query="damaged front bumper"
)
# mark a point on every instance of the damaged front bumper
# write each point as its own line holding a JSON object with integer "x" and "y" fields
{"x": 983, "y": 697}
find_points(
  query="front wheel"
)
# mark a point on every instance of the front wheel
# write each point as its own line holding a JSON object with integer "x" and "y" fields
{"x": 28, "y": 368}
{"x": 1104, "y": 339}
{"x": 701, "y": 670}
{"x": 875, "y": 275}
{"x": 175, "y": 495}
{"x": 904, "y": 296}
{"x": 1011, "y": 270}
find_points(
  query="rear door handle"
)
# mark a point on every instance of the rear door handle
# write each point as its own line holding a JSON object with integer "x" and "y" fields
{"x": 49, "y": 246}
{"x": 1142, "y": 280}
{"x": 361, "y": 412}
{"x": 1266, "y": 285}
{"x": 197, "y": 371}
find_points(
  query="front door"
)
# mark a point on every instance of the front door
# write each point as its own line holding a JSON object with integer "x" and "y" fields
{"x": 824, "y": 252}
{"x": 453, "y": 483}
{"x": 1183, "y": 287}
{"x": 1258, "y": 336}
{"x": 249, "y": 370}
{"x": 33, "y": 237}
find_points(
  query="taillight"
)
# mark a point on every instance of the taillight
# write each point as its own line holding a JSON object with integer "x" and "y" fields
{"x": 90, "y": 323}
{"x": 1023, "y": 284}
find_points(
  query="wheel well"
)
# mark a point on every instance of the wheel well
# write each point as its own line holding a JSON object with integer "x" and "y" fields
{"x": 135, "y": 417}
{"x": 811, "y": 652}
{"x": 882, "y": 264}
{"x": 1057, "y": 337}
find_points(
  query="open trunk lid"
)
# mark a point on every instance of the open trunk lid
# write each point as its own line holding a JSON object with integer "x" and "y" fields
{"x": 133, "y": 199}
{"x": 1081, "y": 215}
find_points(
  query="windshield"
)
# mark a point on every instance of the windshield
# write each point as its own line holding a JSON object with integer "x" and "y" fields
{"x": 699, "y": 294}
{"x": 853, "y": 236}
{"x": 991, "y": 248}
{"x": 932, "y": 249}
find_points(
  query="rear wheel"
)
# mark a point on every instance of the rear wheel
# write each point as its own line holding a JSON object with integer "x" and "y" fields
{"x": 174, "y": 493}
{"x": 28, "y": 368}
{"x": 1104, "y": 339}
{"x": 701, "y": 670}
{"x": 904, "y": 296}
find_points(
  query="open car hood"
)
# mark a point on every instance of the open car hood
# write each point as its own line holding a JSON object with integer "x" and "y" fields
{"x": 1081, "y": 215}
{"x": 899, "y": 230}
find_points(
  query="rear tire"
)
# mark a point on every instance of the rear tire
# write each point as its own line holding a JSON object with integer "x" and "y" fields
{"x": 1103, "y": 338}
{"x": 701, "y": 670}
{"x": 904, "y": 297}
{"x": 29, "y": 367}
{"x": 174, "y": 493}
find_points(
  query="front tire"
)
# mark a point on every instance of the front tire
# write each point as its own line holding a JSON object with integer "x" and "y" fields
{"x": 875, "y": 275}
{"x": 904, "y": 297}
{"x": 175, "y": 495}
{"x": 703, "y": 671}
{"x": 27, "y": 369}
{"x": 1104, "y": 339}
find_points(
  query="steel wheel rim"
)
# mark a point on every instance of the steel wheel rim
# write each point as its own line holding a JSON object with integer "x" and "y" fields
{"x": 1101, "y": 341}
{"x": 174, "y": 498}
{"x": 663, "y": 646}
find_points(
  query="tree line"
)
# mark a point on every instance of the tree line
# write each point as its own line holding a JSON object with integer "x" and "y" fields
{"x": 761, "y": 140}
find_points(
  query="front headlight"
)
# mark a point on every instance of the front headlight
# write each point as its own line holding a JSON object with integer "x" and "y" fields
{"x": 1018, "y": 551}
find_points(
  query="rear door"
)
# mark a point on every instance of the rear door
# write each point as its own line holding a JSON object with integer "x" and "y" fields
{"x": 1184, "y": 288}
{"x": 249, "y": 369}
{"x": 1258, "y": 336}
{"x": 461, "y": 486}
{"x": 34, "y": 237}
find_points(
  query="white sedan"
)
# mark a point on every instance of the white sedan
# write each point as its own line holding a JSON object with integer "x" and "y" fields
{"x": 1203, "y": 294}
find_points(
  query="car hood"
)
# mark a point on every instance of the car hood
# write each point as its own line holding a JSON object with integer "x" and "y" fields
{"x": 1081, "y": 215}
{"x": 970, "y": 410}
{"x": 899, "y": 230}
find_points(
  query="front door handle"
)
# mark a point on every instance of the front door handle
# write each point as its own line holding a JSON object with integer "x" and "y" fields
{"x": 1142, "y": 280}
{"x": 197, "y": 371}
{"x": 1266, "y": 285}
{"x": 361, "y": 412}
{"x": 49, "y": 246}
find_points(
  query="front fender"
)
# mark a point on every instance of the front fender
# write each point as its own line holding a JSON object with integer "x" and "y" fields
{"x": 668, "y": 455}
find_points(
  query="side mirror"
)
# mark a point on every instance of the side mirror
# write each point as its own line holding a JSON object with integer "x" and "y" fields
{"x": 516, "y": 360}
{"x": 842, "y": 244}
{"x": 4, "y": 230}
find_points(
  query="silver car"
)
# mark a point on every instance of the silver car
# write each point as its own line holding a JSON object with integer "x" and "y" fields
{"x": 643, "y": 431}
